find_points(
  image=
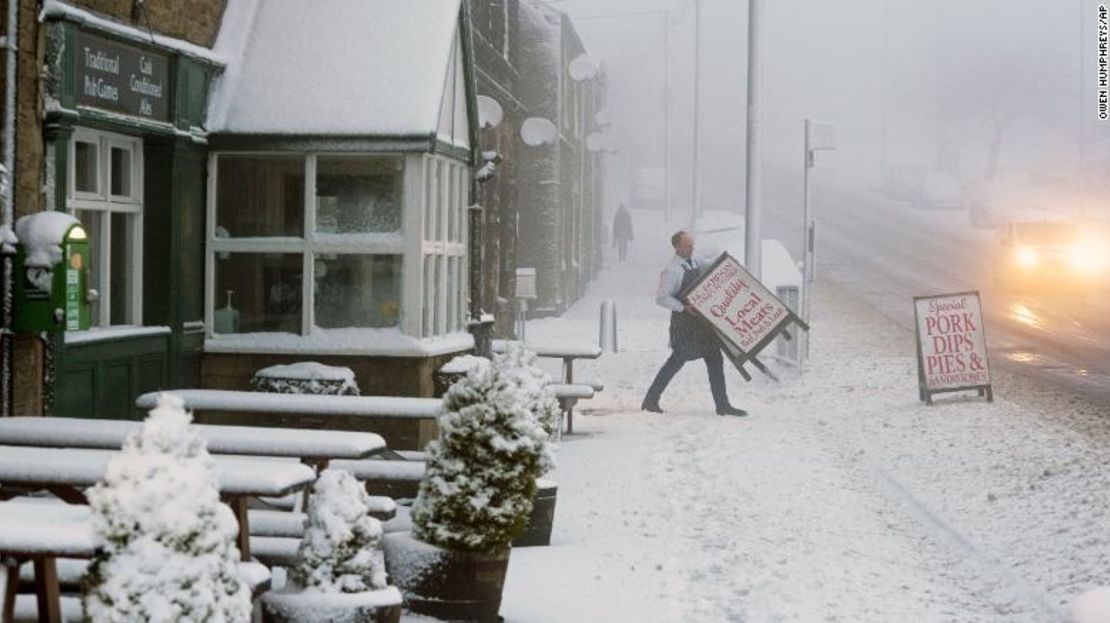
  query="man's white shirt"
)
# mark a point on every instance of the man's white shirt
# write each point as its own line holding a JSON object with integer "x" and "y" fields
{"x": 670, "y": 281}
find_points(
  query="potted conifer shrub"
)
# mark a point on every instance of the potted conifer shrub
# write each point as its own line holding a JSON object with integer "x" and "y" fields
{"x": 474, "y": 500}
{"x": 340, "y": 576}
{"x": 520, "y": 363}
{"x": 169, "y": 550}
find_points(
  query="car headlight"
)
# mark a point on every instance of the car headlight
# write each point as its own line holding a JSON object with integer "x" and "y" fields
{"x": 1027, "y": 257}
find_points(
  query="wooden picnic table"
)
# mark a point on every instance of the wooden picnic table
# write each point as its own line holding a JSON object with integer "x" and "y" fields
{"x": 567, "y": 350}
{"x": 313, "y": 447}
{"x": 404, "y": 421}
{"x": 64, "y": 472}
{"x": 40, "y": 533}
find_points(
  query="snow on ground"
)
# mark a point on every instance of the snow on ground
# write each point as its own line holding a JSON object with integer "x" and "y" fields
{"x": 840, "y": 498}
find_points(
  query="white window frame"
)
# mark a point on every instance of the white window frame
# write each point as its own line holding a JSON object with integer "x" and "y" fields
{"x": 443, "y": 248}
{"x": 311, "y": 243}
{"x": 104, "y": 204}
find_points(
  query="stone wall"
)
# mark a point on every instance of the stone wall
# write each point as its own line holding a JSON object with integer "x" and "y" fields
{"x": 376, "y": 376}
{"x": 195, "y": 21}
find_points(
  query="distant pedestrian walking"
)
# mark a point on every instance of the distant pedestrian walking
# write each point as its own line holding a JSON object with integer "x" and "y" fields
{"x": 622, "y": 232}
{"x": 691, "y": 337}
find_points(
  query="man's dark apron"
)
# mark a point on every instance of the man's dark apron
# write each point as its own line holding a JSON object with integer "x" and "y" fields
{"x": 691, "y": 337}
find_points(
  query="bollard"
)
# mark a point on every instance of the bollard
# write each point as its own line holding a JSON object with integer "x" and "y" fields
{"x": 607, "y": 329}
{"x": 788, "y": 350}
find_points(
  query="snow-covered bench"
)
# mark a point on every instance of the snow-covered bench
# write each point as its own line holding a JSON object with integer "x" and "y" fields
{"x": 40, "y": 533}
{"x": 313, "y": 447}
{"x": 396, "y": 479}
{"x": 65, "y": 472}
{"x": 270, "y": 523}
{"x": 404, "y": 422}
{"x": 568, "y": 392}
{"x": 57, "y": 539}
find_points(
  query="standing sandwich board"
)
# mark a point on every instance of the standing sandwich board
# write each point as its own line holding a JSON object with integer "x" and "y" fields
{"x": 745, "y": 314}
{"x": 951, "y": 345}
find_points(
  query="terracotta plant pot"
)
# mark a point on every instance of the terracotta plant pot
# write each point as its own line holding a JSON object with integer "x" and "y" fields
{"x": 446, "y": 584}
{"x": 380, "y": 606}
{"x": 538, "y": 529}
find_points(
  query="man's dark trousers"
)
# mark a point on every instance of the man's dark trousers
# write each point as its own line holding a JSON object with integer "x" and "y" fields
{"x": 714, "y": 365}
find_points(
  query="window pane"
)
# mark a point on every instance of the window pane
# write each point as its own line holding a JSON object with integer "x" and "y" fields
{"x": 260, "y": 196}
{"x": 119, "y": 263}
{"x": 430, "y": 186}
{"x": 121, "y": 172}
{"x": 452, "y": 201}
{"x": 91, "y": 222}
{"x": 428, "y": 318}
{"x": 358, "y": 194}
{"x": 85, "y": 163}
{"x": 452, "y": 299}
{"x": 258, "y": 292}
{"x": 358, "y": 290}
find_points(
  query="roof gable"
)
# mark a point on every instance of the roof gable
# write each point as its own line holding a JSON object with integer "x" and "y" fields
{"x": 342, "y": 68}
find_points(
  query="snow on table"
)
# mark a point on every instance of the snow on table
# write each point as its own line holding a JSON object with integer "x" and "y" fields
{"x": 306, "y": 377}
{"x": 365, "y": 406}
{"x": 563, "y": 349}
{"x": 69, "y": 467}
{"x": 245, "y": 440}
{"x": 291, "y": 524}
{"x": 408, "y": 471}
{"x": 34, "y": 529}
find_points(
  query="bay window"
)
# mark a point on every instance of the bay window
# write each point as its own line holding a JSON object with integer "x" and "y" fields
{"x": 304, "y": 243}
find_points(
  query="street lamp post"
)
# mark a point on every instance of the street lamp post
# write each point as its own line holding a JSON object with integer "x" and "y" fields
{"x": 696, "y": 195}
{"x": 752, "y": 216}
{"x": 818, "y": 136}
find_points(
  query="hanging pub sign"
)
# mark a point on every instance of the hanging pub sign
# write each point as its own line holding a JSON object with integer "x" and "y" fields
{"x": 951, "y": 345}
{"x": 745, "y": 314}
{"x": 121, "y": 78}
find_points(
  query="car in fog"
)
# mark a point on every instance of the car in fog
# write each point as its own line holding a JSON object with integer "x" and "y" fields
{"x": 1048, "y": 255}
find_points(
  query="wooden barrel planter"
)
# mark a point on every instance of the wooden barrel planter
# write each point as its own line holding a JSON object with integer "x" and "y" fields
{"x": 446, "y": 584}
{"x": 538, "y": 529}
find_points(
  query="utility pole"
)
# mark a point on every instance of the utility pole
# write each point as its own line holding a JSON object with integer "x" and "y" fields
{"x": 696, "y": 198}
{"x": 752, "y": 219}
{"x": 666, "y": 117}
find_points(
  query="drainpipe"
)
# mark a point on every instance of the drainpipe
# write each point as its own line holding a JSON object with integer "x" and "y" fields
{"x": 7, "y": 216}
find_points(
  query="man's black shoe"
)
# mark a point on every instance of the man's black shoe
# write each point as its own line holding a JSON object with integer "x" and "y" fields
{"x": 648, "y": 405}
{"x": 731, "y": 410}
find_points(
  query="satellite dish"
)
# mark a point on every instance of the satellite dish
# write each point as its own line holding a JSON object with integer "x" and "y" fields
{"x": 489, "y": 112}
{"x": 536, "y": 131}
{"x": 583, "y": 67}
{"x": 595, "y": 142}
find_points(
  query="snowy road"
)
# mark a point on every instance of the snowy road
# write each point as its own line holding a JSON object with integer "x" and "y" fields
{"x": 888, "y": 252}
{"x": 841, "y": 498}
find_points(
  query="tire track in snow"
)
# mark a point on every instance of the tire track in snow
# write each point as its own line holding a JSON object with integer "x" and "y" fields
{"x": 1009, "y": 585}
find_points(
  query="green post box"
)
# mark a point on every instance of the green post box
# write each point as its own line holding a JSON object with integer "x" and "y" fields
{"x": 51, "y": 274}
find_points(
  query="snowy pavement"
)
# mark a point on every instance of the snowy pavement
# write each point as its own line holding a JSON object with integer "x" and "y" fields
{"x": 840, "y": 498}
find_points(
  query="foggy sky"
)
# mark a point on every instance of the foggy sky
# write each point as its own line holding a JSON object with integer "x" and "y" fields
{"x": 909, "y": 84}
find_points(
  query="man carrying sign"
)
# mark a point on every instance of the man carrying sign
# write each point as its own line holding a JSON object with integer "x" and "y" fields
{"x": 691, "y": 337}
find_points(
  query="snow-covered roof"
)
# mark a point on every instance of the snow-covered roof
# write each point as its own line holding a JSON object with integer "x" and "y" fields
{"x": 349, "y": 67}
